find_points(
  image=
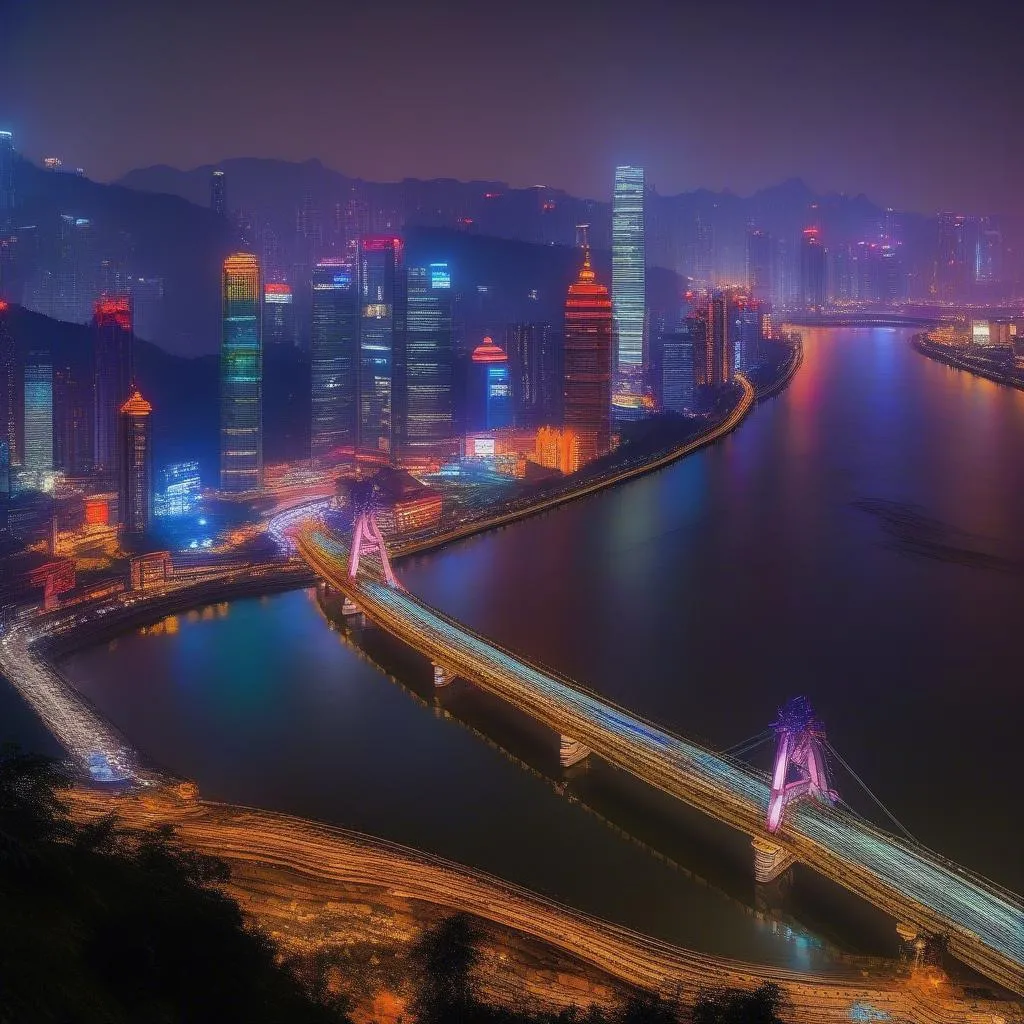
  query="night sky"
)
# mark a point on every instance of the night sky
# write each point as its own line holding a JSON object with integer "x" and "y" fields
{"x": 916, "y": 105}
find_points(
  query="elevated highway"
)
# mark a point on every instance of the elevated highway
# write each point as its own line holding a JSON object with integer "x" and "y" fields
{"x": 982, "y": 923}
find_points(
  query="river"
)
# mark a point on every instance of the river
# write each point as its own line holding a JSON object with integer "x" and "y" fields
{"x": 857, "y": 540}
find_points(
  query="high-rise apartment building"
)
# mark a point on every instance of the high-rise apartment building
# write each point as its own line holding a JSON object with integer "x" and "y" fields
{"x": 588, "y": 363}
{"x": 381, "y": 292}
{"x": 6, "y": 181}
{"x": 424, "y": 392}
{"x": 812, "y": 270}
{"x": 334, "y": 354}
{"x": 135, "y": 454}
{"x": 112, "y": 377}
{"x": 218, "y": 193}
{"x": 629, "y": 279}
{"x": 38, "y": 456}
{"x": 241, "y": 376}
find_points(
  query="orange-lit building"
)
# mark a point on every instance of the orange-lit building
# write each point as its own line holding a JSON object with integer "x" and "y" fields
{"x": 588, "y": 363}
{"x": 558, "y": 449}
{"x": 135, "y": 491}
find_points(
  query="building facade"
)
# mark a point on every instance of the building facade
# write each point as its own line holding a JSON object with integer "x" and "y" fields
{"x": 241, "y": 376}
{"x": 492, "y": 386}
{"x": 112, "y": 378}
{"x": 629, "y": 279}
{"x": 533, "y": 350}
{"x": 218, "y": 193}
{"x": 38, "y": 433}
{"x": 334, "y": 357}
{"x": 278, "y": 315}
{"x": 135, "y": 479}
{"x": 813, "y": 277}
{"x": 678, "y": 367}
{"x": 6, "y": 181}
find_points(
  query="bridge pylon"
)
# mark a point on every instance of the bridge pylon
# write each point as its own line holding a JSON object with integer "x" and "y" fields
{"x": 801, "y": 747}
{"x": 367, "y": 540}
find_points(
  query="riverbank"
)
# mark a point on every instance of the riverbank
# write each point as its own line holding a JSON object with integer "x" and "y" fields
{"x": 980, "y": 366}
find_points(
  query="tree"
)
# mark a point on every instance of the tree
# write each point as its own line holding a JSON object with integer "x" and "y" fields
{"x": 446, "y": 956}
{"x": 734, "y": 1006}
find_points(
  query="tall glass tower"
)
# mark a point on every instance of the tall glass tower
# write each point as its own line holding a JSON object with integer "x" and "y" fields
{"x": 218, "y": 194}
{"x": 39, "y": 412}
{"x": 241, "y": 376}
{"x": 423, "y": 396}
{"x": 112, "y": 377}
{"x": 381, "y": 338}
{"x": 135, "y": 477}
{"x": 628, "y": 279}
{"x": 6, "y": 181}
{"x": 334, "y": 352}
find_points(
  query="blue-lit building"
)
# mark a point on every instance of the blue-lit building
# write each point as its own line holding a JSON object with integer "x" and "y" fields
{"x": 241, "y": 376}
{"x": 381, "y": 293}
{"x": 6, "y": 180}
{"x": 679, "y": 359}
{"x": 334, "y": 354}
{"x": 423, "y": 387}
{"x": 38, "y": 413}
{"x": 492, "y": 387}
{"x": 628, "y": 280}
{"x": 179, "y": 489}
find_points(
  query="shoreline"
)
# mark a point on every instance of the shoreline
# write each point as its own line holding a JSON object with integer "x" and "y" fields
{"x": 942, "y": 354}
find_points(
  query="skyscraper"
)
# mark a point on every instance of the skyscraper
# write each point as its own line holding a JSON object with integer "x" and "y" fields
{"x": 423, "y": 397}
{"x": 533, "y": 353}
{"x": 6, "y": 181}
{"x": 218, "y": 194}
{"x": 112, "y": 377}
{"x": 381, "y": 283}
{"x": 492, "y": 382}
{"x": 241, "y": 376}
{"x": 952, "y": 261}
{"x": 135, "y": 481}
{"x": 678, "y": 366}
{"x": 147, "y": 294}
{"x": 812, "y": 270}
{"x": 38, "y": 413}
{"x": 588, "y": 362}
{"x": 719, "y": 339}
{"x": 278, "y": 315}
{"x": 629, "y": 278}
{"x": 334, "y": 352}
{"x": 9, "y": 389}
{"x": 759, "y": 263}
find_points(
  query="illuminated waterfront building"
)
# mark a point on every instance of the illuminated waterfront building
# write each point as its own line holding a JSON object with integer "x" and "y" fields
{"x": 218, "y": 193}
{"x": 135, "y": 452}
{"x": 424, "y": 387}
{"x": 112, "y": 377}
{"x": 588, "y": 363}
{"x": 679, "y": 366}
{"x": 558, "y": 448}
{"x": 533, "y": 352}
{"x": 629, "y": 278}
{"x": 334, "y": 357}
{"x": 6, "y": 181}
{"x": 278, "y": 315}
{"x": 812, "y": 270}
{"x": 381, "y": 294}
{"x": 493, "y": 385}
{"x": 241, "y": 376}
{"x": 745, "y": 331}
{"x": 38, "y": 413}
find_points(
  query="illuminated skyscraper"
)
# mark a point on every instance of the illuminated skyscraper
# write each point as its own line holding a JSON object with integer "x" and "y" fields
{"x": 719, "y": 338}
{"x": 38, "y": 412}
{"x": 135, "y": 481}
{"x": 812, "y": 270}
{"x": 533, "y": 352}
{"x": 381, "y": 283}
{"x": 10, "y": 397}
{"x": 334, "y": 351}
{"x": 493, "y": 384}
{"x": 678, "y": 366}
{"x": 6, "y": 181}
{"x": 588, "y": 363}
{"x": 423, "y": 393}
{"x": 759, "y": 263}
{"x": 218, "y": 194}
{"x": 112, "y": 377}
{"x": 241, "y": 376}
{"x": 629, "y": 278}
{"x": 278, "y": 315}
{"x": 952, "y": 262}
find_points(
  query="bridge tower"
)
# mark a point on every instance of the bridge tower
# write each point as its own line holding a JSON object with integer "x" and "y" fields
{"x": 367, "y": 540}
{"x": 801, "y": 747}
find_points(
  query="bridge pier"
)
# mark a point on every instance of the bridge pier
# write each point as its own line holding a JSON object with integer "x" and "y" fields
{"x": 571, "y": 751}
{"x": 350, "y": 609}
{"x": 442, "y": 676}
{"x": 770, "y": 860}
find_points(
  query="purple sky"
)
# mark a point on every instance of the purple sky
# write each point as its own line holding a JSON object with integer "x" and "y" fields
{"x": 917, "y": 104}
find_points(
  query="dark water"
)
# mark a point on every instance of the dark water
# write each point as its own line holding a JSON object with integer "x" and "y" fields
{"x": 857, "y": 540}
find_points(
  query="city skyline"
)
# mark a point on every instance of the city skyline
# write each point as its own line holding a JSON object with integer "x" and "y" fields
{"x": 880, "y": 133}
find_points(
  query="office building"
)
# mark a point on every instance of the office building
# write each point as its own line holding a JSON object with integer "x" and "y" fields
{"x": 38, "y": 456}
{"x": 744, "y": 313}
{"x": 588, "y": 363}
{"x": 112, "y": 377}
{"x": 812, "y": 270}
{"x": 719, "y": 341}
{"x": 679, "y": 366}
{"x": 759, "y": 262}
{"x": 557, "y": 448}
{"x": 952, "y": 261}
{"x": 10, "y": 390}
{"x": 629, "y": 279}
{"x": 533, "y": 350}
{"x": 135, "y": 454}
{"x": 334, "y": 357}
{"x": 74, "y": 417}
{"x": 147, "y": 295}
{"x": 423, "y": 398}
{"x": 278, "y": 315}
{"x": 6, "y": 181}
{"x": 381, "y": 284}
{"x": 218, "y": 194}
{"x": 492, "y": 386}
{"x": 180, "y": 489}
{"x": 241, "y": 376}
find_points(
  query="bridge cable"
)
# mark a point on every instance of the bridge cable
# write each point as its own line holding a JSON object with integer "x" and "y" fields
{"x": 749, "y": 744}
{"x": 892, "y": 817}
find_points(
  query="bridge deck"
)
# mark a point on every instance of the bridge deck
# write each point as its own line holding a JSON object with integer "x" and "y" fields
{"x": 983, "y": 922}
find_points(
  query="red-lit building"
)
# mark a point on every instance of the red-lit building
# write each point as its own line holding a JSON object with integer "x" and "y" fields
{"x": 112, "y": 377}
{"x": 588, "y": 363}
